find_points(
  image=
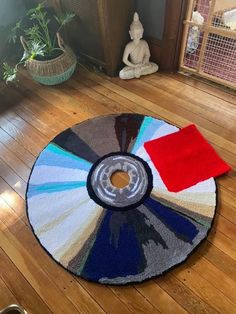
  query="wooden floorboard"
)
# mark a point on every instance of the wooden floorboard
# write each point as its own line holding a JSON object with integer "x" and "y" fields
{"x": 32, "y": 114}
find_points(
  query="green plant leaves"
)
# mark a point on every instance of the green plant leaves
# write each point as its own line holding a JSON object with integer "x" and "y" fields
{"x": 33, "y": 33}
{"x": 36, "y": 10}
{"x": 36, "y": 49}
{"x": 9, "y": 73}
{"x": 64, "y": 19}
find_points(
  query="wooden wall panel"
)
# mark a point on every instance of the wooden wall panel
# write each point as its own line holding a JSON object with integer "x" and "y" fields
{"x": 166, "y": 51}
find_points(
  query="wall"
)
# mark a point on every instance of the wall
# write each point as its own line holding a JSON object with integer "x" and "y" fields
{"x": 8, "y": 12}
{"x": 224, "y": 5}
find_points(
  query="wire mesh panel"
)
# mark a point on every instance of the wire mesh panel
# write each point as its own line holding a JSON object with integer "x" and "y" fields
{"x": 209, "y": 40}
{"x": 220, "y": 57}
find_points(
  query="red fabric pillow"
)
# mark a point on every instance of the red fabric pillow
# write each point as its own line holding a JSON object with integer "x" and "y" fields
{"x": 184, "y": 158}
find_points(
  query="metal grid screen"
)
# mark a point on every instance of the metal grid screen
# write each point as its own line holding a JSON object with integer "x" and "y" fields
{"x": 209, "y": 40}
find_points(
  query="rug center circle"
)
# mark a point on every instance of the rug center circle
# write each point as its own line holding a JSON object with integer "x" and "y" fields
{"x": 118, "y": 181}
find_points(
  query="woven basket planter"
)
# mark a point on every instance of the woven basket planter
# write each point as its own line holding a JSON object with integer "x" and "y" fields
{"x": 55, "y": 71}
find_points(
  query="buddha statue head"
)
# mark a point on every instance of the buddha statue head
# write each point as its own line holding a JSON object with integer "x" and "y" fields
{"x": 136, "y": 28}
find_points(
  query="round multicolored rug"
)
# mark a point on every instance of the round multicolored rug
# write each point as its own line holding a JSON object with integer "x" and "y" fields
{"x": 108, "y": 234}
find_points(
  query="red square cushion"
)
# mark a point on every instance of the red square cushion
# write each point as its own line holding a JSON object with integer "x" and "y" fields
{"x": 184, "y": 159}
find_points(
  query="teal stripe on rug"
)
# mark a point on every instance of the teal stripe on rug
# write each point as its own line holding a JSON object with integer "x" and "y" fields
{"x": 53, "y": 155}
{"x": 60, "y": 151}
{"x": 53, "y": 187}
{"x": 147, "y": 130}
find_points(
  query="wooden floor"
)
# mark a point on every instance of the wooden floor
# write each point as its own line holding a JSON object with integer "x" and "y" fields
{"x": 31, "y": 115}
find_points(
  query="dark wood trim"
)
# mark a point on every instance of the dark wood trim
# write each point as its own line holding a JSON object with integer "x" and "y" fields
{"x": 166, "y": 51}
{"x": 180, "y": 34}
{"x": 106, "y": 37}
{"x": 85, "y": 57}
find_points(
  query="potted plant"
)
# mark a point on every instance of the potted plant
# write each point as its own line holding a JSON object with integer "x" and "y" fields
{"x": 47, "y": 59}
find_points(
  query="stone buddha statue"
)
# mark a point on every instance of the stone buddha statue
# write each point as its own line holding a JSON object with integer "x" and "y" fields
{"x": 137, "y": 54}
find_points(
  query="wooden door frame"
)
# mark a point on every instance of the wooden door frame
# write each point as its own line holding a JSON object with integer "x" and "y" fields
{"x": 166, "y": 51}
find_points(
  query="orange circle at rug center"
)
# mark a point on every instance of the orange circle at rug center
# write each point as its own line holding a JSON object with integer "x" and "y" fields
{"x": 120, "y": 179}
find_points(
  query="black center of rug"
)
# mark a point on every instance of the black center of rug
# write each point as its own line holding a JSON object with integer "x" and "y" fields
{"x": 108, "y": 234}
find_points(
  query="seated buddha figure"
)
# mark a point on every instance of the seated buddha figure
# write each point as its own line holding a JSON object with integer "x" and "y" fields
{"x": 137, "y": 54}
